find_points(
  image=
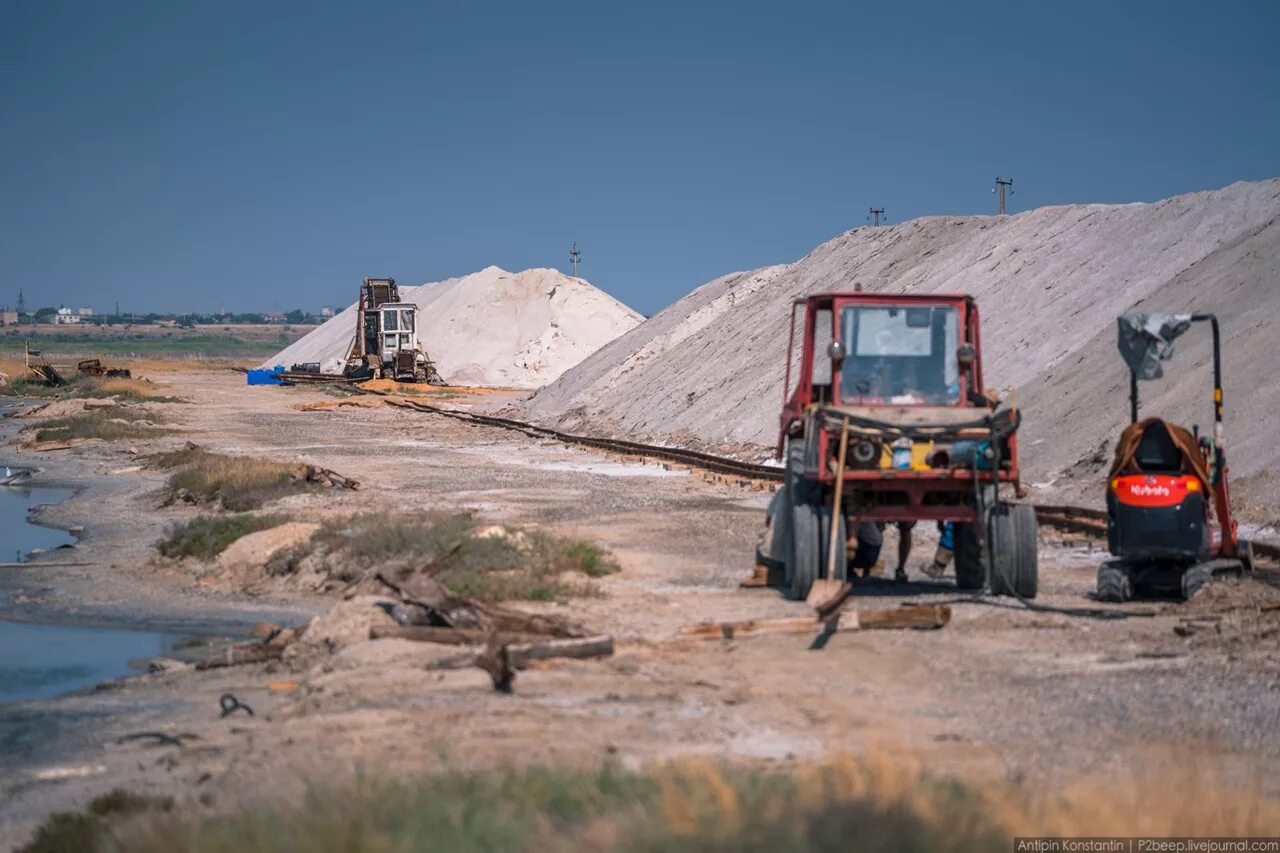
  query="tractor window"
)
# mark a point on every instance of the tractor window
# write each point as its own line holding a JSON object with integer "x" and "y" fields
{"x": 390, "y": 320}
{"x": 904, "y": 355}
{"x": 822, "y": 335}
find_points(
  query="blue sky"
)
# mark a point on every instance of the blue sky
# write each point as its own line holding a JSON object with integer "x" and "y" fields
{"x": 180, "y": 155}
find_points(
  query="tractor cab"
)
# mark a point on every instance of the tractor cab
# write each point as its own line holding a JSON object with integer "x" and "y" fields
{"x": 888, "y": 420}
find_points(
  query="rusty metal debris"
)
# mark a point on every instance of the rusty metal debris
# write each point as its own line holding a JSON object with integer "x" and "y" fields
{"x": 94, "y": 367}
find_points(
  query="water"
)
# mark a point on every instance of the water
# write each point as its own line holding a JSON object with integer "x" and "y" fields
{"x": 43, "y": 661}
{"x": 18, "y": 537}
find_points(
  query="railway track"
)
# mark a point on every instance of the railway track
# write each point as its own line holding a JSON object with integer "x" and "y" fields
{"x": 1071, "y": 519}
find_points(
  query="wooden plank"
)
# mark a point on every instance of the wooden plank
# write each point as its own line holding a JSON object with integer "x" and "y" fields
{"x": 914, "y": 616}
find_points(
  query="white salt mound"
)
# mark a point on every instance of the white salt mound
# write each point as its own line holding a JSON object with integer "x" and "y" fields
{"x": 1049, "y": 282}
{"x": 493, "y": 327}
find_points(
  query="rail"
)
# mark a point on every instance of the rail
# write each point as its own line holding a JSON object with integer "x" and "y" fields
{"x": 1071, "y": 519}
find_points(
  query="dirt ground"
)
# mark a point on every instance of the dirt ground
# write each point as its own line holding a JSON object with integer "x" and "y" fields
{"x": 1001, "y": 691}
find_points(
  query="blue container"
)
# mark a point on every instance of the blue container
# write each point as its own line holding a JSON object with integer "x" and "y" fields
{"x": 963, "y": 454}
{"x": 267, "y": 376}
{"x": 948, "y": 538}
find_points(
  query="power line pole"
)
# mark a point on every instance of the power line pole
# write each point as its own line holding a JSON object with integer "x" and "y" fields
{"x": 575, "y": 257}
{"x": 1002, "y": 184}
{"x": 874, "y": 214}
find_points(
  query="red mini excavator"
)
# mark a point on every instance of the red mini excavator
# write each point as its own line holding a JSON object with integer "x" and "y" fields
{"x": 1169, "y": 523}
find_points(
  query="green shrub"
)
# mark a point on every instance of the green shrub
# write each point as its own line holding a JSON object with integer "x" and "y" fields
{"x": 511, "y": 564}
{"x": 208, "y": 536}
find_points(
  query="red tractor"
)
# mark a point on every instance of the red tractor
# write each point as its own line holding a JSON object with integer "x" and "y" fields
{"x": 889, "y": 421}
{"x": 1169, "y": 522}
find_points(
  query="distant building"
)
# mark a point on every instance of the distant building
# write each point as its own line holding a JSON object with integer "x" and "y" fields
{"x": 65, "y": 317}
{"x": 326, "y": 311}
{"x": 8, "y": 318}
{"x": 276, "y": 317}
{"x": 85, "y": 312}
{"x": 167, "y": 322}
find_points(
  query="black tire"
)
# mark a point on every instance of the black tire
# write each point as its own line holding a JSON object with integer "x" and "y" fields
{"x": 810, "y": 540}
{"x": 1115, "y": 582}
{"x": 1015, "y": 567}
{"x": 971, "y": 572}
{"x": 1194, "y": 578}
{"x": 809, "y": 530}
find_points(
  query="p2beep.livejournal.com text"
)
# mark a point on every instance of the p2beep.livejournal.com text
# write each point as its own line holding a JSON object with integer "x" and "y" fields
{"x": 1146, "y": 845}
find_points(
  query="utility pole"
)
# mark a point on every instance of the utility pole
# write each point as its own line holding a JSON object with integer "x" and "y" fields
{"x": 1002, "y": 184}
{"x": 575, "y": 257}
{"x": 874, "y": 214}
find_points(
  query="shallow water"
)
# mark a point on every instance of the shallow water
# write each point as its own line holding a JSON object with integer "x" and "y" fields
{"x": 42, "y": 661}
{"x": 18, "y": 537}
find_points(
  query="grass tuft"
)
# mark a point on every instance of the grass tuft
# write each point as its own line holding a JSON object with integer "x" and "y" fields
{"x": 238, "y": 483}
{"x": 690, "y": 806}
{"x": 108, "y": 423}
{"x": 91, "y": 830}
{"x": 490, "y": 564}
{"x": 208, "y": 536}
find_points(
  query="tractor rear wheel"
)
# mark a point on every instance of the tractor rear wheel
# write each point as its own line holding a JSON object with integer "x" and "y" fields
{"x": 1115, "y": 582}
{"x": 1015, "y": 567}
{"x": 971, "y": 572}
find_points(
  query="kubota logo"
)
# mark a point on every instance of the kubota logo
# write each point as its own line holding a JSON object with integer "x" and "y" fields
{"x": 1144, "y": 490}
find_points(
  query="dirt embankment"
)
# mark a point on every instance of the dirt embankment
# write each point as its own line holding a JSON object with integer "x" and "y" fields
{"x": 1050, "y": 283}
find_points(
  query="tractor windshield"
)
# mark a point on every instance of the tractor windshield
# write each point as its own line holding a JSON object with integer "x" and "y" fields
{"x": 900, "y": 355}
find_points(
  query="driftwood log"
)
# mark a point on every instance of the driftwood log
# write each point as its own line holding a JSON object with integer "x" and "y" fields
{"x": 502, "y": 661}
{"x": 242, "y": 654}
{"x": 444, "y": 609}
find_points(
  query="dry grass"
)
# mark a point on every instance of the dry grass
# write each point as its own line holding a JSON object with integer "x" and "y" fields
{"x": 237, "y": 483}
{"x": 490, "y": 564}
{"x": 109, "y": 423}
{"x": 80, "y": 385}
{"x": 880, "y": 803}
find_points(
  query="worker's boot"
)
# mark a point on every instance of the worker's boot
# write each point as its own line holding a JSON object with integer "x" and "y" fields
{"x": 900, "y": 575}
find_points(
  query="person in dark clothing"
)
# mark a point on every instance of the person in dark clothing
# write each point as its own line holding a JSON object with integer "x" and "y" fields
{"x": 870, "y": 539}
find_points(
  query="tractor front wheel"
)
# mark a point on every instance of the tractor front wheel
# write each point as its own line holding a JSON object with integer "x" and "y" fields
{"x": 810, "y": 541}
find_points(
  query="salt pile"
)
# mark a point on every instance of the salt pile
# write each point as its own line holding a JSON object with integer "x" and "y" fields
{"x": 493, "y": 327}
{"x": 1050, "y": 283}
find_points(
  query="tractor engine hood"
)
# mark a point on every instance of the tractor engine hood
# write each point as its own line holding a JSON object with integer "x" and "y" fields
{"x": 922, "y": 421}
